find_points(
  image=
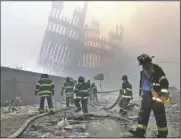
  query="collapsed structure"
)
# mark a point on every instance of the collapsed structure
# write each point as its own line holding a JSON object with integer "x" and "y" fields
{"x": 72, "y": 48}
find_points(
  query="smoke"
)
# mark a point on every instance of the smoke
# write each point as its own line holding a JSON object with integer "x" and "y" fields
{"x": 150, "y": 27}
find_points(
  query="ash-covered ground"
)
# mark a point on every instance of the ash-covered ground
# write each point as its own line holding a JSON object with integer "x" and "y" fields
{"x": 101, "y": 124}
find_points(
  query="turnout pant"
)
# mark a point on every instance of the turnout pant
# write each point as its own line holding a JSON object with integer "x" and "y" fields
{"x": 69, "y": 100}
{"x": 123, "y": 103}
{"x": 147, "y": 105}
{"x": 42, "y": 102}
{"x": 84, "y": 104}
{"x": 95, "y": 98}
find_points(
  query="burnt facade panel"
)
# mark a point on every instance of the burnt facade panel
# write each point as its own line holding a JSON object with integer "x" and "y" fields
{"x": 71, "y": 47}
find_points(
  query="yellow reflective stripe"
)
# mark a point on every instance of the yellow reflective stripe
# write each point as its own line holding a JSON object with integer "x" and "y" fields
{"x": 141, "y": 126}
{"x": 124, "y": 91}
{"x": 162, "y": 128}
{"x": 38, "y": 84}
{"x": 164, "y": 90}
{"x": 41, "y": 110}
{"x": 45, "y": 91}
{"x": 162, "y": 78}
{"x": 159, "y": 100}
{"x": 126, "y": 96}
{"x": 46, "y": 84}
{"x": 128, "y": 89}
{"x": 82, "y": 97}
{"x": 51, "y": 109}
{"x": 155, "y": 84}
{"x": 85, "y": 91}
{"x": 68, "y": 87}
{"x": 156, "y": 99}
{"x": 45, "y": 95}
{"x": 69, "y": 93}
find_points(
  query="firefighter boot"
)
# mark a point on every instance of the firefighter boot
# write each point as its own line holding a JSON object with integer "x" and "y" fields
{"x": 52, "y": 112}
{"x": 124, "y": 112}
{"x": 85, "y": 117}
{"x": 121, "y": 110}
{"x": 136, "y": 134}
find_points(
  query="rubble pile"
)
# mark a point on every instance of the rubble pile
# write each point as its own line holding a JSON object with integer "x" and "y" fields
{"x": 10, "y": 112}
{"x": 101, "y": 122}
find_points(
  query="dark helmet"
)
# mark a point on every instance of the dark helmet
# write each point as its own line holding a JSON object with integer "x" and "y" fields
{"x": 124, "y": 78}
{"x": 81, "y": 79}
{"x": 67, "y": 79}
{"x": 44, "y": 76}
{"x": 93, "y": 84}
{"x": 144, "y": 58}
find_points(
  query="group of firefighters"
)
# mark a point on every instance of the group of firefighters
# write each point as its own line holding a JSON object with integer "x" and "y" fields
{"x": 153, "y": 91}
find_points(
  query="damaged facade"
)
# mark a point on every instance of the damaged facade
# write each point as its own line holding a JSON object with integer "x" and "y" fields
{"x": 71, "y": 47}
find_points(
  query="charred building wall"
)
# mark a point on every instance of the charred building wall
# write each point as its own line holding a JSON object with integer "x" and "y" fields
{"x": 73, "y": 48}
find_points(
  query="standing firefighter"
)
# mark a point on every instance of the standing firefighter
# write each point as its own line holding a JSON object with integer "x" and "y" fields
{"x": 154, "y": 93}
{"x": 94, "y": 92}
{"x": 68, "y": 87}
{"x": 45, "y": 88}
{"x": 126, "y": 92}
{"x": 89, "y": 90}
{"x": 81, "y": 94}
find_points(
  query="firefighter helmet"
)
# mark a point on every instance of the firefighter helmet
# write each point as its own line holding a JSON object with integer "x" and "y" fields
{"x": 124, "y": 78}
{"x": 144, "y": 58}
{"x": 67, "y": 79}
{"x": 81, "y": 79}
{"x": 44, "y": 76}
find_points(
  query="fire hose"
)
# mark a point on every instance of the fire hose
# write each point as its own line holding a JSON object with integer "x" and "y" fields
{"x": 117, "y": 100}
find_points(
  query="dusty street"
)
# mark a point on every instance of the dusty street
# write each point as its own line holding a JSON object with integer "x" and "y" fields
{"x": 111, "y": 124}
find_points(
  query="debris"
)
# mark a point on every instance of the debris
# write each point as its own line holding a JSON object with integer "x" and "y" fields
{"x": 47, "y": 135}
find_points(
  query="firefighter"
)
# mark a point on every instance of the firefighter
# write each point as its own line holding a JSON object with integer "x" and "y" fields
{"x": 126, "y": 92}
{"x": 90, "y": 95}
{"x": 68, "y": 87}
{"x": 81, "y": 94}
{"x": 154, "y": 92}
{"x": 94, "y": 92}
{"x": 45, "y": 89}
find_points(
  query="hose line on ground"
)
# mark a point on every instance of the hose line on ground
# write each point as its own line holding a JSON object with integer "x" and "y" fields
{"x": 117, "y": 100}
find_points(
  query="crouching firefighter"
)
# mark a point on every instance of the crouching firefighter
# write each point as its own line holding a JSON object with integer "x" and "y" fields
{"x": 127, "y": 95}
{"x": 68, "y": 88}
{"x": 154, "y": 92}
{"x": 81, "y": 94}
{"x": 45, "y": 89}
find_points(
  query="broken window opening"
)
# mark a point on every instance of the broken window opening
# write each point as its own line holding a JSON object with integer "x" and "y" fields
{"x": 57, "y": 28}
{"x": 54, "y": 27}
{"x": 61, "y": 52}
{"x": 53, "y": 12}
{"x": 49, "y": 25}
{"x": 48, "y": 47}
{"x": 57, "y": 53}
{"x": 60, "y": 29}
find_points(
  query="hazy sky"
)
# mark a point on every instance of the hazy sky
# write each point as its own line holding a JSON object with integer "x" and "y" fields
{"x": 149, "y": 27}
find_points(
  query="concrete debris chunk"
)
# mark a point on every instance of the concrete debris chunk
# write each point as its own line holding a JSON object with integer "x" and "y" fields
{"x": 47, "y": 135}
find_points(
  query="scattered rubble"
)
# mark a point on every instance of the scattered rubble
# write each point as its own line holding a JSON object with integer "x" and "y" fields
{"x": 101, "y": 123}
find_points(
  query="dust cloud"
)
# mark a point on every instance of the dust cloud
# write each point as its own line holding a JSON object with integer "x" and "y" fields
{"x": 149, "y": 27}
